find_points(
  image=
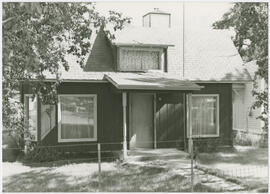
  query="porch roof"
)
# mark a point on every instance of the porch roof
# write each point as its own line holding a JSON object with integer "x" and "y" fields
{"x": 149, "y": 81}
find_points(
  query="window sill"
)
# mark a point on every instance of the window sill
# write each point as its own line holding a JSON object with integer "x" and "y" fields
{"x": 204, "y": 136}
{"x": 77, "y": 140}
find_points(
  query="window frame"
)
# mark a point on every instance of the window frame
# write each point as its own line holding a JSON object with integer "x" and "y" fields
{"x": 159, "y": 50}
{"x": 59, "y": 116}
{"x": 42, "y": 136}
{"x": 24, "y": 98}
{"x": 217, "y": 115}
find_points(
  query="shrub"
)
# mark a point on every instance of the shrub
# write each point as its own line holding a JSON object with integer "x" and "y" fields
{"x": 43, "y": 154}
{"x": 210, "y": 145}
{"x": 249, "y": 139}
{"x": 10, "y": 147}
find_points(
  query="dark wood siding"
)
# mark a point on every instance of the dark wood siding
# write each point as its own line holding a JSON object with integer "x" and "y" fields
{"x": 101, "y": 56}
{"x": 225, "y": 109}
{"x": 170, "y": 119}
{"x": 109, "y": 116}
{"x": 170, "y": 116}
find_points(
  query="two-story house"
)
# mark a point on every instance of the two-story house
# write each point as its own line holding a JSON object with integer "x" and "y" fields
{"x": 148, "y": 88}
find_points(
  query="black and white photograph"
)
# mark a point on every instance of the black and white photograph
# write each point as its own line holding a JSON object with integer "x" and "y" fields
{"x": 135, "y": 96}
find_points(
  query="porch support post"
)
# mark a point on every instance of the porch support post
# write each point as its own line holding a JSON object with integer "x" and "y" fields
{"x": 38, "y": 120}
{"x": 189, "y": 124}
{"x": 124, "y": 101}
{"x": 155, "y": 123}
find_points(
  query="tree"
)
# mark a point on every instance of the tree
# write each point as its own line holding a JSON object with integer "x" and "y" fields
{"x": 250, "y": 23}
{"x": 36, "y": 38}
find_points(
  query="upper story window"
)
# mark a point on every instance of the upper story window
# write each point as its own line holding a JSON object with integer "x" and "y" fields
{"x": 140, "y": 59}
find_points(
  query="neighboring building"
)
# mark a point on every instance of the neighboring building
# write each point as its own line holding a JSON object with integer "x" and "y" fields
{"x": 245, "y": 123}
{"x": 145, "y": 89}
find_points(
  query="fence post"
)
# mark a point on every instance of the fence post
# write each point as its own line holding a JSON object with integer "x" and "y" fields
{"x": 190, "y": 141}
{"x": 99, "y": 166}
{"x": 99, "y": 159}
{"x": 191, "y": 165}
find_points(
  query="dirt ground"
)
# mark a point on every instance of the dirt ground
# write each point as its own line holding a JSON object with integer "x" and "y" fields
{"x": 162, "y": 170}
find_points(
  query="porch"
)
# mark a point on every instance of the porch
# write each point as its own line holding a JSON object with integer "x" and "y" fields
{"x": 156, "y": 113}
{"x": 163, "y": 156}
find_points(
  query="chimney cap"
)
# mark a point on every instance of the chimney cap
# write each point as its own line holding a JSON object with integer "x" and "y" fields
{"x": 157, "y": 11}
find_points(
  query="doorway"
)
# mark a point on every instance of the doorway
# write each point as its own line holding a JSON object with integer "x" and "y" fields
{"x": 141, "y": 120}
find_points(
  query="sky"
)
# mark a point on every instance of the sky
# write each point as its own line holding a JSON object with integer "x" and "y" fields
{"x": 198, "y": 14}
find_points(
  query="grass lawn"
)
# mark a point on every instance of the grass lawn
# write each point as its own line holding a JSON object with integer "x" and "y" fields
{"x": 165, "y": 173}
{"x": 83, "y": 177}
{"x": 249, "y": 165}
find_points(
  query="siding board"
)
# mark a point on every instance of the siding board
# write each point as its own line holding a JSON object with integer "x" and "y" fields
{"x": 109, "y": 116}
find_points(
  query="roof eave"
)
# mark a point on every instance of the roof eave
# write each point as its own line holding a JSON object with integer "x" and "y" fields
{"x": 143, "y": 45}
{"x": 221, "y": 81}
{"x": 161, "y": 13}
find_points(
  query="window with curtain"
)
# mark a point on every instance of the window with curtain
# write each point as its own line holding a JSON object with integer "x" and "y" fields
{"x": 30, "y": 116}
{"x": 204, "y": 115}
{"x": 140, "y": 59}
{"x": 77, "y": 118}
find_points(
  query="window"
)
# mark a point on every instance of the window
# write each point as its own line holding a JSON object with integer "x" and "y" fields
{"x": 77, "y": 118}
{"x": 140, "y": 59}
{"x": 205, "y": 115}
{"x": 47, "y": 119}
{"x": 30, "y": 116}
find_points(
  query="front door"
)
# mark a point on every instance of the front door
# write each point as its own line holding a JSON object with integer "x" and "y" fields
{"x": 141, "y": 120}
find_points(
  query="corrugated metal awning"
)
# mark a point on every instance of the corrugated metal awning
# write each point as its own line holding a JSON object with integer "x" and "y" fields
{"x": 149, "y": 81}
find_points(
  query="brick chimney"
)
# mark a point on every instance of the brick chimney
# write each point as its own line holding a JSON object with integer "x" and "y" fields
{"x": 157, "y": 18}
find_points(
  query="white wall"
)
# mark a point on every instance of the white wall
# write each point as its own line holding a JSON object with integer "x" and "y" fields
{"x": 244, "y": 118}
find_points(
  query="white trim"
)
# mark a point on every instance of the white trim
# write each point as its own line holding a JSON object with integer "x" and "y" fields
{"x": 218, "y": 128}
{"x": 124, "y": 104}
{"x": 45, "y": 134}
{"x": 154, "y": 118}
{"x": 139, "y": 45}
{"x": 74, "y": 80}
{"x": 59, "y": 119}
{"x": 221, "y": 81}
{"x": 143, "y": 49}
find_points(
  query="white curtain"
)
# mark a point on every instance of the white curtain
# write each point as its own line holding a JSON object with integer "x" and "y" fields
{"x": 77, "y": 117}
{"x": 204, "y": 119}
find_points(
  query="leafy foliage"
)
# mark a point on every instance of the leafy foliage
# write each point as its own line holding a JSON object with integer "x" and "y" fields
{"x": 43, "y": 154}
{"x": 250, "y": 23}
{"x": 36, "y": 38}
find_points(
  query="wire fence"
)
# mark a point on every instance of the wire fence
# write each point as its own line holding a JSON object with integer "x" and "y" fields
{"x": 99, "y": 153}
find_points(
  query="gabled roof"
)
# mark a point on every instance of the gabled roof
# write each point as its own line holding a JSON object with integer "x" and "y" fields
{"x": 211, "y": 55}
{"x": 196, "y": 55}
{"x": 143, "y": 36}
{"x": 202, "y": 55}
